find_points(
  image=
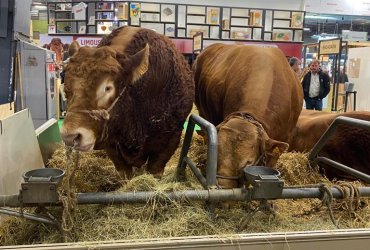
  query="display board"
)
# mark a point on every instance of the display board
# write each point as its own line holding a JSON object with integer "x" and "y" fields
{"x": 176, "y": 20}
{"x": 358, "y": 73}
{"x": 338, "y": 7}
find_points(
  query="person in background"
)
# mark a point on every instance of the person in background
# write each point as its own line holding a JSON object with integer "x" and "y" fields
{"x": 343, "y": 76}
{"x": 316, "y": 86}
{"x": 65, "y": 51}
{"x": 295, "y": 63}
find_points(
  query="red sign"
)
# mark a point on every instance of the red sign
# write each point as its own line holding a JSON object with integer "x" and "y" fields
{"x": 50, "y": 67}
{"x": 88, "y": 41}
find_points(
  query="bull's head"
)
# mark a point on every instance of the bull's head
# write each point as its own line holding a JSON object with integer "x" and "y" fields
{"x": 243, "y": 143}
{"x": 94, "y": 81}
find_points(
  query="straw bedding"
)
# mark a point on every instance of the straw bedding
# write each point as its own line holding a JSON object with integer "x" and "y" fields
{"x": 155, "y": 219}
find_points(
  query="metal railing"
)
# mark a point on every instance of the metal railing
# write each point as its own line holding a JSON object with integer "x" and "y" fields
{"x": 210, "y": 180}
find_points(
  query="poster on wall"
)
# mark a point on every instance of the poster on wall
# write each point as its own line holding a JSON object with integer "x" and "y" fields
{"x": 330, "y": 6}
{"x": 336, "y": 6}
{"x": 135, "y": 10}
{"x": 354, "y": 66}
{"x": 167, "y": 13}
{"x": 297, "y": 20}
{"x": 51, "y": 29}
{"x": 82, "y": 29}
{"x": 361, "y": 8}
{"x": 135, "y": 13}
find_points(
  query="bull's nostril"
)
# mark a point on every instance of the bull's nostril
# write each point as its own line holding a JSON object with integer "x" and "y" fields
{"x": 77, "y": 139}
{"x": 72, "y": 139}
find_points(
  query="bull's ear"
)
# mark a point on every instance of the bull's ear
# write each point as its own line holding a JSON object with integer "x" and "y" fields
{"x": 276, "y": 147}
{"x": 140, "y": 63}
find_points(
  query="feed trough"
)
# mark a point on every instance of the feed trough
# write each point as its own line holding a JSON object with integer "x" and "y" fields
{"x": 40, "y": 185}
{"x": 44, "y": 175}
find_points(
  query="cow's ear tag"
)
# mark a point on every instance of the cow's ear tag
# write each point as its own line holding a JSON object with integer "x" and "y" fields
{"x": 140, "y": 63}
{"x": 276, "y": 151}
{"x": 276, "y": 147}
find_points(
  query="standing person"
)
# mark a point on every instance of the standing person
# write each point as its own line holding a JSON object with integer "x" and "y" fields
{"x": 343, "y": 76}
{"x": 295, "y": 63}
{"x": 316, "y": 86}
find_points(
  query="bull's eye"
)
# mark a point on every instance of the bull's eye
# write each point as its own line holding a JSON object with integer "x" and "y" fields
{"x": 105, "y": 93}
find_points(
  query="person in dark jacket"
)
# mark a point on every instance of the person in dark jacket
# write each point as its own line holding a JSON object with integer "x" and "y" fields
{"x": 316, "y": 86}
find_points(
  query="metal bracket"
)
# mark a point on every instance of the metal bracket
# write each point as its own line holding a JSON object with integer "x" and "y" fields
{"x": 39, "y": 192}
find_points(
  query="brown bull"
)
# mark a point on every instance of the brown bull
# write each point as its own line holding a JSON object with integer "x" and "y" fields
{"x": 253, "y": 97}
{"x": 130, "y": 97}
{"x": 348, "y": 145}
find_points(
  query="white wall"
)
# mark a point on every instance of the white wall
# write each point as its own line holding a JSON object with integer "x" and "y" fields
{"x": 265, "y": 4}
{"x": 362, "y": 83}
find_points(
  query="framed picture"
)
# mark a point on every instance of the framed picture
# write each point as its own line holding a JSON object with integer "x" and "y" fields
{"x": 282, "y": 35}
{"x": 91, "y": 20}
{"x": 122, "y": 10}
{"x": 167, "y": 13}
{"x": 170, "y": 29}
{"x": 51, "y": 29}
{"x": 135, "y": 10}
{"x": 82, "y": 29}
{"x": 297, "y": 20}
{"x": 213, "y": 15}
{"x": 104, "y": 27}
{"x": 255, "y": 18}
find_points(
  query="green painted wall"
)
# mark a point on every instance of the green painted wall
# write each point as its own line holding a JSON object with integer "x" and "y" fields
{"x": 40, "y": 25}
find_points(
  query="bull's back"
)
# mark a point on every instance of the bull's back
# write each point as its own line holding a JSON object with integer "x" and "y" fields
{"x": 311, "y": 125}
{"x": 250, "y": 79}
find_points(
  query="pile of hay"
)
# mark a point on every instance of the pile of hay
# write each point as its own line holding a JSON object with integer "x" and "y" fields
{"x": 174, "y": 219}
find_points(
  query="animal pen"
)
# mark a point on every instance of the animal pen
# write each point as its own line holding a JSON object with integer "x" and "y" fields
{"x": 261, "y": 185}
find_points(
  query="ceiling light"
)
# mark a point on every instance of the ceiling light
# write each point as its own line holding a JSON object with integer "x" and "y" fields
{"x": 321, "y": 17}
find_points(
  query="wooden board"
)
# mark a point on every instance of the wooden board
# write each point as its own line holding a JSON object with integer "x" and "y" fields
{"x": 358, "y": 239}
{"x": 19, "y": 151}
{"x": 6, "y": 110}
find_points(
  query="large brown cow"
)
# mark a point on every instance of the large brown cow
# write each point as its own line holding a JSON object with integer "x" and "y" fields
{"x": 253, "y": 97}
{"x": 130, "y": 96}
{"x": 349, "y": 145}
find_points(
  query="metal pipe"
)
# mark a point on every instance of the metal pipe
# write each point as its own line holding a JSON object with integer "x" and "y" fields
{"x": 26, "y": 215}
{"x": 9, "y": 200}
{"x": 211, "y": 171}
{"x": 344, "y": 168}
{"x": 196, "y": 172}
{"x": 211, "y": 195}
{"x": 180, "y": 170}
{"x": 144, "y": 197}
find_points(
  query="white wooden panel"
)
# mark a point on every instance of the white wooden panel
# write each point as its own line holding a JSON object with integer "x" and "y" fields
{"x": 19, "y": 151}
{"x": 358, "y": 73}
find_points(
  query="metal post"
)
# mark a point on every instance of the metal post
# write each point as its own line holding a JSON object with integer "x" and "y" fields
{"x": 208, "y": 127}
{"x": 180, "y": 171}
{"x": 346, "y": 101}
{"x": 354, "y": 100}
